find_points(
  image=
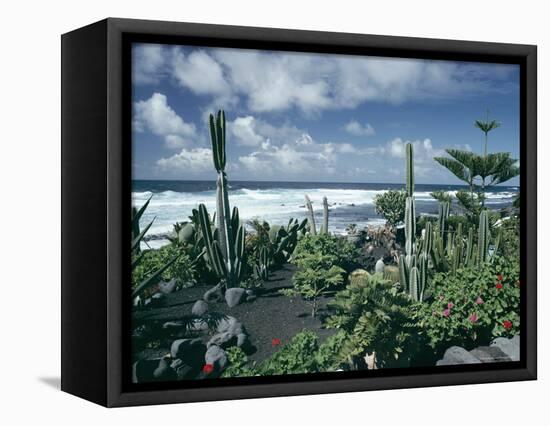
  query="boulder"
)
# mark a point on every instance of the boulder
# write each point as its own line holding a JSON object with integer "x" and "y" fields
{"x": 489, "y": 354}
{"x": 183, "y": 371}
{"x": 457, "y": 355}
{"x": 213, "y": 295}
{"x": 379, "y": 267}
{"x": 225, "y": 323}
{"x": 190, "y": 351}
{"x": 223, "y": 340}
{"x": 167, "y": 287}
{"x": 217, "y": 357}
{"x": 143, "y": 370}
{"x": 234, "y": 296}
{"x": 509, "y": 346}
{"x": 164, "y": 372}
{"x": 157, "y": 300}
{"x": 199, "y": 308}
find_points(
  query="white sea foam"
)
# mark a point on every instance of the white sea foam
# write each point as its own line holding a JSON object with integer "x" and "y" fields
{"x": 277, "y": 205}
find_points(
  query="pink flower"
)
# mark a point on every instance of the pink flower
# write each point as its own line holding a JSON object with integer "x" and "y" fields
{"x": 446, "y": 312}
{"x": 473, "y": 318}
{"x": 479, "y": 301}
{"x": 450, "y": 305}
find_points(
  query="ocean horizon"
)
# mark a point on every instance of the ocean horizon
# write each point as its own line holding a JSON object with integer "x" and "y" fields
{"x": 278, "y": 201}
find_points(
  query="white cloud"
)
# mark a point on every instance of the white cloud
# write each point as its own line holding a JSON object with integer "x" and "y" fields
{"x": 302, "y": 157}
{"x": 355, "y": 128}
{"x": 187, "y": 162}
{"x": 245, "y": 132}
{"x": 311, "y": 83}
{"x": 156, "y": 116}
{"x": 202, "y": 75}
{"x": 149, "y": 62}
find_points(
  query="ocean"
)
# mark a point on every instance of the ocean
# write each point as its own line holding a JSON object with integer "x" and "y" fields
{"x": 277, "y": 202}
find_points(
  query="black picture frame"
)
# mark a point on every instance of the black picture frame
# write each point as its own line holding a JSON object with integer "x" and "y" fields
{"x": 96, "y": 171}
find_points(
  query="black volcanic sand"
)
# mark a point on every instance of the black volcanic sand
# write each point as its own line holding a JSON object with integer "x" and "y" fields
{"x": 270, "y": 316}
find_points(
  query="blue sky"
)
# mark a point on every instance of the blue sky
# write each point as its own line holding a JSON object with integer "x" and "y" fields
{"x": 313, "y": 117}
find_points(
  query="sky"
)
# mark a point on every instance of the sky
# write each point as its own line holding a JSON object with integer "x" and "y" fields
{"x": 313, "y": 117}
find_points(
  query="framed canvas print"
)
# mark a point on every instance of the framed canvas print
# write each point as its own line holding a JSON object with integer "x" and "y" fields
{"x": 252, "y": 212}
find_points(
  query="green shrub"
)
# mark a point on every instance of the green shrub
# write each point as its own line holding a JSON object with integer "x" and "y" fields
{"x": 509, "y": 238}
{"x": 473, "y": 306}
{"x": 182, "y": 270}
{"x": 391, "y": 205}
{"x": 238, "y": 361}
{"x": 335, "y": 251}
{"x": 313, "y": 280}
{"x": 377, "y": 318}
{"x": 302, "y": 354}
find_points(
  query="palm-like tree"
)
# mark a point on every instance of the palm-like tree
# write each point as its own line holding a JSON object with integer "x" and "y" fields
{"x": 480, "y": 171}
{"x": 486, "y": 126}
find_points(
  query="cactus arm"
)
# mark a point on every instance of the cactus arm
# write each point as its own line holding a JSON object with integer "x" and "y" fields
{"x": 312, "y": 227}
{"x": 325, "y": 216}
{"x": 410, "y": 170}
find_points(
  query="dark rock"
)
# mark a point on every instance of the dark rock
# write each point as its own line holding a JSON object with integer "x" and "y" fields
{"x": 242, "y": 339}
{"x": 164, "y": 372}
{"x": 234, "y": 296}
{"x": 213, "y": 295}
{"x": 167, "y": 287}
{"x": 143, "y": 370}
{"x": 191, "y": 351}
{"x": 217, "y": 357}
{"x": 157, "y": 300}
{"x": 198, "y": 325}
{"x": 223, "y": 340}
{"x": 509, "y": 346}
{"x": 457, "y": 355}
{"x": 489, "y": 354}
{"x": 226, "y": 323}
{"x": 184, "y": 371}
{"x": 199, "y": 308}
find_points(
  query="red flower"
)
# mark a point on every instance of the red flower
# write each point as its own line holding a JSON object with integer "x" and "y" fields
{"x": 446, "y": 312}
{"x": 500, "y": 278}
{"x": 498, "y": 286}
{"x": 275, "y": 342}
{"x": 450, "y": 305}
{"x": 208, "y": 368}
{"x": 507, "y": 324}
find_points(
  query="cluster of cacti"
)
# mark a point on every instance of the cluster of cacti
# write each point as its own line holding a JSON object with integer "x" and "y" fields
{"x": 312, "y": 226}
{"x": 225, "y": 245}
{"x": 285, "y": 238}
{"x": 458, "y": 251}
{"x": 412, "y": 271}
{"x": 137, "y": 255}
{"x": 263, "y": 264}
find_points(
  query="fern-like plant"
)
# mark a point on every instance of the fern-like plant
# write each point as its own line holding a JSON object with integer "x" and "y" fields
{"x": 375, "y": 315}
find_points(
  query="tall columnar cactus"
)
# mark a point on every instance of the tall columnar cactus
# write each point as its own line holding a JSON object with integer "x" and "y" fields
{"x": 444, "y": 209}
{"x": 483, "y": 238}
{"x": 324, "y": 229}
{"x": 410, "y": 170}
{"x": 228, "y": 240}
{"x": 408, "y": 270}
{"x": 312, "y": 228}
